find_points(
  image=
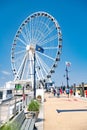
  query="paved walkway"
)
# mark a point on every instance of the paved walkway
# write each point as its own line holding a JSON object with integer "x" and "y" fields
{"x": 64, "y": 113}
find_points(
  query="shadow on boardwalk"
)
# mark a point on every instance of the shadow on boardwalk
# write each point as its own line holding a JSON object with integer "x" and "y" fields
{"x": 72, "y": 110}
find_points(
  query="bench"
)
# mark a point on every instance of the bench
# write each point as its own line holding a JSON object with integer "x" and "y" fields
{"x": 20, "y": 122}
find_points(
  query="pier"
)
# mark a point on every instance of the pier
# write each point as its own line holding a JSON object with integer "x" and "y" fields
{"x": 65, "y": 113}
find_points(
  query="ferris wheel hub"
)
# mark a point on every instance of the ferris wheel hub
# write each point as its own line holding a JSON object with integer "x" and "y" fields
{"x": 30, "y": 48}
{"x": 27, "y": 47}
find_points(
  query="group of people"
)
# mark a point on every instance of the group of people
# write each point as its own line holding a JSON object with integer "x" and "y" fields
{"x": 58, "y": 91}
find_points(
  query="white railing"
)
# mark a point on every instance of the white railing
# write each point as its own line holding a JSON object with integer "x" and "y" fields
{"x": 9, "y": 108}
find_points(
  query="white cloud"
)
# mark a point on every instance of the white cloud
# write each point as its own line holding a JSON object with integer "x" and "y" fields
{"x": 5, "y": 72}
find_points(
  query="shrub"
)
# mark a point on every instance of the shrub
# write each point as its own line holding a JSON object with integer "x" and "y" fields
{"x": 34, "y": 105}
{"x": 8, "y": 126}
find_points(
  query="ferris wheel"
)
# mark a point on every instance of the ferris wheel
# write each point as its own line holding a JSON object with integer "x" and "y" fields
{"x": 38, "y": 35}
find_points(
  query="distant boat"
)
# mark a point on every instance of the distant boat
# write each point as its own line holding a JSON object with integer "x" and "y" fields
{"x": 5, "y": 94}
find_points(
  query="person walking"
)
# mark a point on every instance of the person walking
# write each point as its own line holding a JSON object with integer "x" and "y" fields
{"x": 58, "y": 92}
{"x": 67, "y": 92}
{"x": 71, "y": 92}
{"x": 61, "y": 91}
{"x": 54, "y": 91}
{"x": 86, "y": 93}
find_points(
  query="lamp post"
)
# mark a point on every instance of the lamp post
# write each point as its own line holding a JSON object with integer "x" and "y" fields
{"x": 83, "y": 89}
{"x": 74, "y": 88}
{"x": 67, "y": 77}
{"x": 67, "y": 81}
{"x": 41, "y": 50}
{"x": 34, "y": 77}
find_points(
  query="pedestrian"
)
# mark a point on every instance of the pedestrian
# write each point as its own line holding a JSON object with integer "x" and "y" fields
{"x": 71, "y": 92}
{"x": 86, "y": 93}
{"x": 51, "y": 90}
{"x": 74, "y": 93}
{"x": 67, "y": 91}
{"x": 61, "y": 91}
{"x": 54, "y": 91}
{"x": 58, "y": 92}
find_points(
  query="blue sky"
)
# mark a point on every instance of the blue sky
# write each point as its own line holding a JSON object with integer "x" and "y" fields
{"x": 72, "y": 18}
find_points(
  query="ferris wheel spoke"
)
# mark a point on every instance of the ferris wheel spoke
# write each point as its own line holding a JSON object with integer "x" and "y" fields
{"x": 47, "y": 33}
{"x": 47, "y": 30}
{"x": 44, "y": 65}
{"x": 37, "y": 31}
{"x": 40, "y": 65}
{"x": 24, "y": 43}
{"x": 46, "y": 23}
{"x": 19, "y": 52}
{"x": 27, "y": 68}
{"x": 39, "y": 74}
{"x": 20, "y": 70}
{"x": 36, "y": 27}
{"x": 46, "y": 56}
{"x": 39, "y": 36}
{"x": 49, "y": 39}
{"x": 21, "y": 64}
{"x": 30, "y": 31}
{"x": 23, "y": 69}
{"x": 27, "y": 33}
{"x": 43, "y": 72}
{"x": 21, "y": 47}
{"x": 18, "y": 58}
{"x": 42, "y": 28}
{"x": 24, "y": 35}
{"x": 44, "y": 68}
{"x": 47, "y": 48}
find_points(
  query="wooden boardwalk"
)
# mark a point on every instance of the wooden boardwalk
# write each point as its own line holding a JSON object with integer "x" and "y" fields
{"x": 65, "y": 113}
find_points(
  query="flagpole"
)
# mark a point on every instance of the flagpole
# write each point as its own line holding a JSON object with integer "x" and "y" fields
{"x": 67, "y": 76}
{"x": 34, "y": 78}
{"x": 67, "y": 80}
{"x": 41, "y": 50}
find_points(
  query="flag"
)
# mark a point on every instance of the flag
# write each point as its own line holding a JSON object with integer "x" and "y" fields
{"x": 39, "y": 48}
{"x": 68, "y": 64}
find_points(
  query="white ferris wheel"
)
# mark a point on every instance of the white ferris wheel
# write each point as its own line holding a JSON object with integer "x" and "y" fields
{"x": 39, "y": 34}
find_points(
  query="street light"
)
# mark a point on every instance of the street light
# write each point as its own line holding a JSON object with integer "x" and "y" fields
{"x": 67, "y": 77}
{"x": 34, "y": 77}
{"x": 68, "y": 64}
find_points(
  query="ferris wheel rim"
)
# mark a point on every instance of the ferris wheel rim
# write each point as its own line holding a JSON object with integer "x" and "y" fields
{"x": 57, "y": 57}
